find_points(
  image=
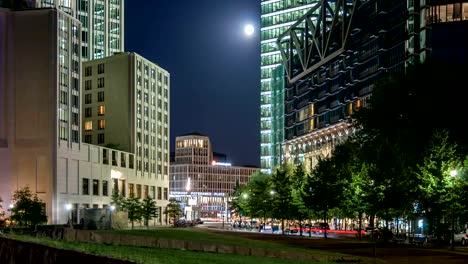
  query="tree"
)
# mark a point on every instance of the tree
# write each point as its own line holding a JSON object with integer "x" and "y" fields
{"x": 238, "y": 205}
{"x": 258, "y": 195}
{"x": 2, "y": 213}
{"x": 323, "y": 189}
{"x": 118, "y": 200}
{"x": 28, "y": 209}
{"x": 281, "y": 193}
{"x": 436, "y": 192}
{"x": 149, "y": 209}
{"x": 173, "y": 210}
{"x": 298, "y": 209}
{"x": 133, "y": 206}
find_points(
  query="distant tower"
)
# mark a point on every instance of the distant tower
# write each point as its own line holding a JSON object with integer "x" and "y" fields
{"x": 102, "y": 24}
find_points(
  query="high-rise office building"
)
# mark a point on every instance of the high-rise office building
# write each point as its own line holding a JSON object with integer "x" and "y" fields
{"x": 335, "y": 54}
{"x": 276, "y": 17}
{"x": 102, "y": 23}
{"x": 126, "y": 104}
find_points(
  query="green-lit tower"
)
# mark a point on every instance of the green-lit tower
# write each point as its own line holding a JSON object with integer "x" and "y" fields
{"x": 277, "y": 16}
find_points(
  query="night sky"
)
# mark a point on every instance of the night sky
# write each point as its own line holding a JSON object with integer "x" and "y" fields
{"x": 214, "y": 67}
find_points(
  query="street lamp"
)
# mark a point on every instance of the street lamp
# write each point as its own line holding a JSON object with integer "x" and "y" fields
{"x": 453, "y": 173}
{"x": 68, "y": 207}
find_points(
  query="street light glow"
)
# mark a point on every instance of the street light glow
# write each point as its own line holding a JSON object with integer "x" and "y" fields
{"x": 245, "y": 196}
{"x": 453, "y": 173}
{"x": 68, "y": 206}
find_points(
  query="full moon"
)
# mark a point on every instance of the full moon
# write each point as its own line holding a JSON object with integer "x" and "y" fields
{"x": 249, "y": 30}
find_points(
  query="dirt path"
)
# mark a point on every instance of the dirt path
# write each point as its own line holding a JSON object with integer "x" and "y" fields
{"x": 389, "y": 254}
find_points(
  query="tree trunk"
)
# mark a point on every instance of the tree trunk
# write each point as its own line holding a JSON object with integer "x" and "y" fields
{"x": 325, "y": 221}
{"x": 360, "y": 225}
{"x": 282, "y": 227}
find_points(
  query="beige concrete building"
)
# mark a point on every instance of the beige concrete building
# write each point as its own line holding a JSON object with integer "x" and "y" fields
{"x": 126, "y": 104}
{"x": 40, "y": 122}
{"x": 203, "y": 184}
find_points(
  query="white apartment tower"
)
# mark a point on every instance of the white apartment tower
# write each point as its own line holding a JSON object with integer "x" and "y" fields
{"x": 126, "y": 105}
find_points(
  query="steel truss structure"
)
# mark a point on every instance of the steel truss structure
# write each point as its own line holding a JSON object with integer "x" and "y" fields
{"x": 320, "y": 35}
{"x": 333, "y": 56}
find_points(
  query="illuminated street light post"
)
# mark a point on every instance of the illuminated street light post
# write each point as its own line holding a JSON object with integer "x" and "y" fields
{"x": 453, "y": 173}
{"x": 68, "y": 207}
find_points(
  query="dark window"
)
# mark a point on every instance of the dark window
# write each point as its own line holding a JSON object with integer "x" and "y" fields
{"x": 100, "y": 83}
{"x": 100, "y": 96}
{"x": 74, "y": 119}
{"x": 105, "y": 156}
{"x": 159, "y": 193}
{"x": 88, "y": 139}
{"x": 100, "y": 139}
{"x": 88, "y": 112}
{"x": 75, "y": 84}
{"x": 100, "y": 69}
{"x": 88, "y": 71}
{"x": 165, "y": 194}
{"x": 95, "y": 187}
{"x": 88, "y": 85}
{"x": 105, "y": 188}
{"x": 75, "y": 138}
{"x": 85, "y": 187}
{"x": 75, "y": 101}
{"x": 88, "y": 99}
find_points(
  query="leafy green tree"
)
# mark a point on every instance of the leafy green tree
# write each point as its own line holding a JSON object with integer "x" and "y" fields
{"x": 238, "y": 204}
{"x": 173, "y": 210}
{"x": 436, "y": 186}
{"x": 281, "y": 193}
{"x": 149, "y": 209}
{"x": 259, "y": 195}
{"x": 118, "y": 200}
{"x": 323, "y": 189}
{"x": 298, "y": 209}
{"x": 28, "y": 209}
{"x": 134, "y": 208}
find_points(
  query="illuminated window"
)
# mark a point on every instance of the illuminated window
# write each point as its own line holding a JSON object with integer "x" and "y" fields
{"x": 101, "y": 124}
{"x": 101, "y": 110}
{"x": 358, "y": 103}
{"x": 88, "y": 126}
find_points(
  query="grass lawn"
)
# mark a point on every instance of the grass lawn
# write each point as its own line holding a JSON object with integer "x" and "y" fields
{"x": 154, "y": 255}
{"x": 203, "y": 236}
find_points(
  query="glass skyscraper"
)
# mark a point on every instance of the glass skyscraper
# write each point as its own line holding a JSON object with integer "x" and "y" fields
{"x": 102, "y": 24}
{"x": 276, "y": 17}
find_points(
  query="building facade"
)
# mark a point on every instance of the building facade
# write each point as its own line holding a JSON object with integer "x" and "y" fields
{"x": 40, "y": 124}
{"x": 326, "y": 81}
{"x": 102, "y": 23}
{"x": 202, "y": 184}
{"x": 276, "y": 17}
{"x": 126, "y": 105}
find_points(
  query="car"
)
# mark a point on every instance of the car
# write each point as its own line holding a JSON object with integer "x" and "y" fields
{"x": 198, "y": 221}
{"x": 373, "y": 232}
{"x": 461, "y": 237}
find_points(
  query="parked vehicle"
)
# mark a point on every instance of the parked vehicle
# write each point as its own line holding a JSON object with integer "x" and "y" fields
{"x": 373, "y": 232}
{"x": 461, "y": 237}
